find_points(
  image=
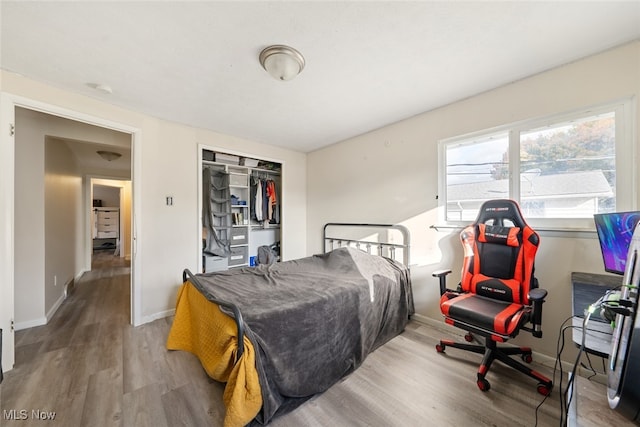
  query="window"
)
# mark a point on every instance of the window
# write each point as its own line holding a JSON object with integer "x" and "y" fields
{"x": 561, "y": 169}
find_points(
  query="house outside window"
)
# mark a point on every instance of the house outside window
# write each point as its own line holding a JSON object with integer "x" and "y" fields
{"x": 561, "y": 169}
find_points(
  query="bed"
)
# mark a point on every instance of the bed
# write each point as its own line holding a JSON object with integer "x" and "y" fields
{"x": 279, "y": 334}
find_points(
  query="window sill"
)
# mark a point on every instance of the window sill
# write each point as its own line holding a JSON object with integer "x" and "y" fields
{"x": 577, "y": 233}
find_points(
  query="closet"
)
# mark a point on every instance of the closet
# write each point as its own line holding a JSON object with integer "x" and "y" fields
{"x": 241, "y": 211}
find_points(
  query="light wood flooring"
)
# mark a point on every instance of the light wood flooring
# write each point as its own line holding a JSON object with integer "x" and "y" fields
{"x": 91, "y": 368}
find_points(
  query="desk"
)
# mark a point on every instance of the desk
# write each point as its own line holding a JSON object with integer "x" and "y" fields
{"x": 587, "y": 288}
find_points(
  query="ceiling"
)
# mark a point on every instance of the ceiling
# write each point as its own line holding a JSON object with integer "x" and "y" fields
{"x": 368, "y": 64}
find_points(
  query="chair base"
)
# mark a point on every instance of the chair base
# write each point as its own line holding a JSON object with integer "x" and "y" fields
{"x": 492, "y": 352}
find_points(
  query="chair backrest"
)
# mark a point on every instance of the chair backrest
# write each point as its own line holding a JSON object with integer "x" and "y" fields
{"x": 499, "y": 253}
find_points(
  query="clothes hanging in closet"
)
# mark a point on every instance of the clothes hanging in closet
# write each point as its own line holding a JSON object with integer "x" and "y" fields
{"x": 264, "y": 197}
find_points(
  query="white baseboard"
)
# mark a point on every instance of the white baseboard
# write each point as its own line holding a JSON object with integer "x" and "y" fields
{"x": 156, "y": 316}
{"x": 427, "y": 321}
{"x": 42, "y": 320}
{"x": 30, "y": 323}
{"x": 56, "y": 305}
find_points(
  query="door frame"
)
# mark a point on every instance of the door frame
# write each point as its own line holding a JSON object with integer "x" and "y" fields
{"x": 90, "y": 181}
{"x": 8, "y": 103}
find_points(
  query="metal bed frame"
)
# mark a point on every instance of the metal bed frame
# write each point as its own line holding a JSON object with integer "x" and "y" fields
{"x": 329, "y": 245}
{"x": 382, "y": 247}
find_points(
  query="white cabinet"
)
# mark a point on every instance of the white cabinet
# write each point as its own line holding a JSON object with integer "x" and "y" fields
{"x": 106, "y": 228}
{"x": 106, "y": 223}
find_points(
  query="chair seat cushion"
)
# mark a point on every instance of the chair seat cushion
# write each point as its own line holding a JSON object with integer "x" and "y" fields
{"x": 507, "y": 290}
{"x": 499, "y": 317}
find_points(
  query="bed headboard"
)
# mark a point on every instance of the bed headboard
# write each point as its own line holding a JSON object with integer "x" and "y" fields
{"x": 389, "y": 240}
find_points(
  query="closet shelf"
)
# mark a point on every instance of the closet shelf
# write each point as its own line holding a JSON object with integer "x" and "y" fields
{"x": 265, "y": 227}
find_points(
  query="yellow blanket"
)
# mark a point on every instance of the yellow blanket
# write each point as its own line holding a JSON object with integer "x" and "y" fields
{"x": 199, "y": 327}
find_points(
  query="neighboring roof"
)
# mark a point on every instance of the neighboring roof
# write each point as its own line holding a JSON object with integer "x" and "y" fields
{"x": 566, "y": 185}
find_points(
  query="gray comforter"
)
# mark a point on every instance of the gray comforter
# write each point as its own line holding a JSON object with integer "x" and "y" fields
{"x": 314, "y": 320}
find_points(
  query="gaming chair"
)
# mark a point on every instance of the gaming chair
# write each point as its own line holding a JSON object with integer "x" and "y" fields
{"x": 498, "y": 294}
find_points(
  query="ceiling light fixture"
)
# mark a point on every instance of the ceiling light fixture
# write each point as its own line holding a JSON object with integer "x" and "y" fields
{"x": 282, "y": 62}
{"x": 109, "y": 155}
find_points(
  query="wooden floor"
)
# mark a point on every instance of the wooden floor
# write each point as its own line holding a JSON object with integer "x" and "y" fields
{"x": 91, "y": 368}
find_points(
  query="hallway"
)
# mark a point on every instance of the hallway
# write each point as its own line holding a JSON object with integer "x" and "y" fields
{"x": 89, "y": 366}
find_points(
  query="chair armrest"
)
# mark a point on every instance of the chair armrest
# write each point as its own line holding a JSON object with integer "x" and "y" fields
{"x": 537, "y": 296}
{"x": 442, "y": 278}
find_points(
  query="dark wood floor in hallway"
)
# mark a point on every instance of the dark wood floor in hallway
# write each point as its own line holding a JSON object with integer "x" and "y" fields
{"x": 90, "y": 367}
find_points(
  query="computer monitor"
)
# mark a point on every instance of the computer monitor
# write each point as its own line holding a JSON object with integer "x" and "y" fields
{"x": 614, "y": 233}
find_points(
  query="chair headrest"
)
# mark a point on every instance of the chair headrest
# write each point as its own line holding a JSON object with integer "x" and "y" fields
{"x": 501, "y": 212}
{"x": 497, "y": 234}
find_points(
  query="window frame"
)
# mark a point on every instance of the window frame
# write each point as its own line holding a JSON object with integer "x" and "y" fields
{"x": 625, "y": 128}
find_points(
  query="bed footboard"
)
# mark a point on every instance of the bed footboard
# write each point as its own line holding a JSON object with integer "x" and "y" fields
{"x": 237, "y": 315}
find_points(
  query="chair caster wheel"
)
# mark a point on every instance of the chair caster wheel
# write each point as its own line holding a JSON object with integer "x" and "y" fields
{"x": 544, "y": 389}
{"x": 440, "y": 348}
{"x": 527, "y": 358}
{"x": 468, "y": 337}
{"x": 484, "y": 385}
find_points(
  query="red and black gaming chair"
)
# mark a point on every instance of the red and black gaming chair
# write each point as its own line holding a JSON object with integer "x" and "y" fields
{"x": 498, "y": 295}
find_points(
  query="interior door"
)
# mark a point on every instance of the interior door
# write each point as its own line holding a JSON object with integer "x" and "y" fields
{"x": 7, "y": 164}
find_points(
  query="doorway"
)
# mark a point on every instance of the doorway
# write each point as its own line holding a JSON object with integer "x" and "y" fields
{"x": 10, "y": 194}
{"x": 110, "y": 218}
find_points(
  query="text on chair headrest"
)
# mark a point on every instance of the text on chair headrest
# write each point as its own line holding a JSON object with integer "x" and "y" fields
{"x": 497, "y": 234}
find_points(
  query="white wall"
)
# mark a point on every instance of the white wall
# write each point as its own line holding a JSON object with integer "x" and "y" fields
{"x": 391, "y": 175}
{"x": 168, "y": 237}
{"x": 110, "y": 196}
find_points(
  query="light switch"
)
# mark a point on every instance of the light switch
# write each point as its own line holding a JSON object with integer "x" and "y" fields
{"x": 169, "y": 200}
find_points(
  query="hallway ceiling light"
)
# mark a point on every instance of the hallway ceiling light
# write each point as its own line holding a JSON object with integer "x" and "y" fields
{"x": 282, "y": 62}
{"x": 109, "y": 155}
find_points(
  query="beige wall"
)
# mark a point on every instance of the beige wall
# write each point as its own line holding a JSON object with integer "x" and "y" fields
{"x": 391, "y": 175}
{"x": 63, "y": 222}
{"x": 29, "y": 249}
{"x": 168, "y": 237}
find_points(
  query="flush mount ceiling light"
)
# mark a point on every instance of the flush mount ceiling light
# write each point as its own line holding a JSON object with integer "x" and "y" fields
{"x": 282, "y": 62}
{"x": 109, "y": 155}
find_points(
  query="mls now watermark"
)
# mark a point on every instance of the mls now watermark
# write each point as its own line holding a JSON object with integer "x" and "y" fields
{"x": 23, "y": 414}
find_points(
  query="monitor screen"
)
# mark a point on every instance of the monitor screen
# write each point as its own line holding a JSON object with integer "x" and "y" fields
{"x": 614, "y": 233}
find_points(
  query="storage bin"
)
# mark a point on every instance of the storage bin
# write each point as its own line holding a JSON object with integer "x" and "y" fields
{"x": 238, "y": 255}
{"x": 208, "y": 155}
{"x": 245, "y": 161}
{"x": 239, "y": 236}
{"x": 214, "y": 263}
{"x": 227, "y": 158}
{"x": 238, "y": 180}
